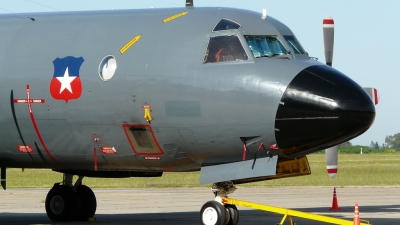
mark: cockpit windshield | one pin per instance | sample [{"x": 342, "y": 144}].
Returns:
[
  {"x": 226, "y": 24},
  {"x": 294, "y": 44},
  {"x": 225, "y": 48},
  {"x": 265, "y": 46}
]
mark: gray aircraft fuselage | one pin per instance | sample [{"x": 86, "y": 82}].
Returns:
[{"x": 200, "y": 110}]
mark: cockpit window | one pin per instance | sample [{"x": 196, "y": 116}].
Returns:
[
  {"x": 226, "y": 24},
  {"x": 225, "y": 48},
  {"x": 265, "y": 46},
  {"x": 294, "y": 44}
]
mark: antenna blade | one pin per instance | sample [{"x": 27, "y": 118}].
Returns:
[{"x": 189, "y": 4}]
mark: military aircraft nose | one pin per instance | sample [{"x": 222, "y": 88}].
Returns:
[{"x": 320, "y": 108}]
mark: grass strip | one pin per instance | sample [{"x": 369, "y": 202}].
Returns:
[{"x": 354, "y": 170}]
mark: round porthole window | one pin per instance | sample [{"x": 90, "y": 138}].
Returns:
[{"x": 107, "y": 67}]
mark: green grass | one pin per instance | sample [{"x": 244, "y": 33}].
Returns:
[{"x": 354, "y": 170}]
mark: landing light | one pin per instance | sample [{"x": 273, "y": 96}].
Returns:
[{"x": 107, "y": 67}]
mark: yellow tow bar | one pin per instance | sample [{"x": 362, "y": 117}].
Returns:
[{"x": 288, "y": 212}]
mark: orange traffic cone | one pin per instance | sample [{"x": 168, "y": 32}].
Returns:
[
  {"x": 356, "y": 215},
  {"x": 335, "y": 205}
]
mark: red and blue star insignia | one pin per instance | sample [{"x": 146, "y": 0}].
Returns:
[{"x": 66, "y": 83}]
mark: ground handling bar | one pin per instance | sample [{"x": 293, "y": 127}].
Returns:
[{"x": 288, "y": 212}]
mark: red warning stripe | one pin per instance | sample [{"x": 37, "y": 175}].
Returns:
[
  {"x": 41, "y": 139},
  {"x": 95, "y": 159},
  {"x": 244, "y": 149},
  {"x": 332, "y": 170},
  {"x": 376, "y": 97},
  {"x": 328, "y": 21},
  {"x": 36, "y": 127}
]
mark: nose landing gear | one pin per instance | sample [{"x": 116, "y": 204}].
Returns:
[
  {"x": 213, "y": 213},
  {"x": 217, "y": 213}
]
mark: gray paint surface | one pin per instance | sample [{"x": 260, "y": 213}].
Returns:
[
  {"x": 218, "y": 102},
  {"x": 183, "y": 108}
]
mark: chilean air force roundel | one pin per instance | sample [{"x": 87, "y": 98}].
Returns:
[{"x": 66, "y": 83}]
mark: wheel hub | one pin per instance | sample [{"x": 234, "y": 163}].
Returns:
[
  {"x": 56, "y": 204},
  {"x": 210, "y": 216}
]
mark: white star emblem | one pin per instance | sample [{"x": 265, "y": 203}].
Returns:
[{"x": 66, "y": 81}]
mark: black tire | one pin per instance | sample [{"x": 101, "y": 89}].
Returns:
[
  {"x": 213, "y": 213},
  {"x": 61, "y": 203},
  {"x": 233, "y": 214},
  {"x": 87, "y": 203}
]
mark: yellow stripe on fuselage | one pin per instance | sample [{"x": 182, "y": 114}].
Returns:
[
  {"x": 174, "y": 17},
  {"x": 130, "y": 43}
]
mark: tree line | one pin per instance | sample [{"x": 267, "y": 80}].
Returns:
[
  {"x": 391, "y": 145},
  {"x": 391, "y": 142}
]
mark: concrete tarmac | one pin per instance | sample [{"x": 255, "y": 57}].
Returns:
[{"x": 181, "y": 206}]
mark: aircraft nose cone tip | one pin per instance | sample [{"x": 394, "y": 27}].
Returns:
[{"x": 320, "y": 108}]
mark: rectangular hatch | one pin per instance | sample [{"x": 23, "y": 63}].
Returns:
[{"x": 142, "y": 139}]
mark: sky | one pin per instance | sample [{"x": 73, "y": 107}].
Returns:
[{"x": 363, "y": 33}]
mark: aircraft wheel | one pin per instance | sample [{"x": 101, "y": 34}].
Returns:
[
  {"x": 213, "y": 213},
  {"x": 61, "y": 203},
  {"x": 88, "y": 203},
  {"x": 233, "y": 214}
]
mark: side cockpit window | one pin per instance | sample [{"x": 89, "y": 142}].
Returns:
[
  {"x": 265, "y": 46},
  {"x": 294, "y": 44},
  {"x": 225, "y": 48},
  {"x": 226, "y": 24}
]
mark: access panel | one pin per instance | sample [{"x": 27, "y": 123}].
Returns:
[{"x": 142, "y": 139}]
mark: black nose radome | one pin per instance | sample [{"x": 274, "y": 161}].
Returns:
[{"x": 320, "y": 108}]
